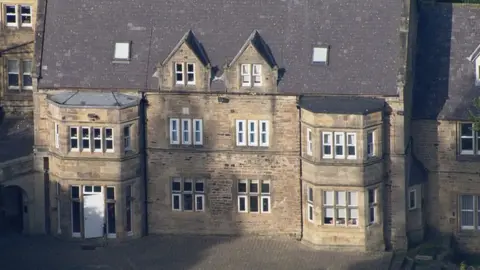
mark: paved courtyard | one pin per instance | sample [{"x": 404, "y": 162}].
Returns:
[{"x": 186, "y": 252}]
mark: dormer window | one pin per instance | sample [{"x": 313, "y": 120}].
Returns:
[
  {"x": 251, "y": 75},
  {"x": 122, "y": 51},
  {"x": 18, "y": 15},
  {"x": 184, "y": 73},
  {"x": 320, "y": 55},
  {"x": 477, "y": 72}
]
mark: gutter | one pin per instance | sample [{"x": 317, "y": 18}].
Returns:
[
  {"x": 142, "y": 112},
  {"x": 300, "y": 166}
]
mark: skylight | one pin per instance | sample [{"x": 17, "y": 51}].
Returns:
[
  {"x": 122, "y": 51},
  {"x": 320, "y": 55}
]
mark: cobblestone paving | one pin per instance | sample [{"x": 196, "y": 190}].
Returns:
[{"x": 185, "y": 252}]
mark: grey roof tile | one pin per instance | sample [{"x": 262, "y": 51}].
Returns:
[
  {"x": 445, "y": 79},
  {"x": 341, "y": 104},
  {"x": 363, "y": 37},
  {"x": 16, "y": 138},
  {"x": 93, "y": 99}
]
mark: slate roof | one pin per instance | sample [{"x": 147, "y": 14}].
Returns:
[
  {"x": 16, "y": 138},
  {"x": 363, "y": 37},
  {"x": 93, "y": 99},
  {"x": 341, "y": 104},
  {"x": 445, "y": 79}
]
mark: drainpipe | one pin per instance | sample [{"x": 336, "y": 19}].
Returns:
[
  {"x": 300, "y": 164},
  {"x": 143, "y": 159}
]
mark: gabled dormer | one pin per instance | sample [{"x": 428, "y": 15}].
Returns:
[
  {"x": 187, "y": 67},
  {"x": 475, "y": 59},
  {"x": 253, "y": 68}
]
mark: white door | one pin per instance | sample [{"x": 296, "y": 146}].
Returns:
[{"x": 93, "y": 212}]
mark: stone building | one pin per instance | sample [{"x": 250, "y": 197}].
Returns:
[
  {"x": 446, "y": 84},
  {"x": 292, "y": 118},
  {"x": 16, "y": 53}
]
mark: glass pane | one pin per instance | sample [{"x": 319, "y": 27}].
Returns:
[
  {"x": 350, "y": 139},
  {"x": 190, "y": 67},
  {"x": 98, "y": 144},
  {"x": 76, "y": 217},
  {"x": 74, "y": 143},
  {"x": 128, "y": 209},
  {"x": 126, "y": 131},
  {"x": 371, "y": 214},
  {"x": 188, "y": 185},
  {"x": 371, "y": 196},
  {"x": 467, "y": 202},
  {"x": 241, "y": 202},
  {"x": 310, "y": 194},
  {"x": 353, "y": 217},
  {"x": 27, "y": 80},
  {"x": 310, "y": 212},
  {"x": 109, "y": 144},
  {"x": 467, "y": 130},
  {"x": 97, "y": 189},
  {"x": 110, "y": 193},
  {"x": 245, "y": 69},
  {"x": 75, "y": 192},
  {"x": 341, "y": 200},
  {"x": 327, "y": 150},
  {"x": 339, "y": 150},
  {"x": 199, "y": 203},
  {"x": 179, "y": 67},
  {"x": 188, "y": 202},
  {"x": 26, "y": 10},
  {"x": 13, "y": 79},
  {"x": 328, "y": 197},
  {"x": 13, "y": 66},
  {"x": 265, "y": 206},
  {"x": 254, "y": 187},
  {"x": 352, "y": 198},
  {"x": 108, "y": 133},
  {"x": 467, "y": 144},
  {"x": 88, "y": 188},
  {"x": 176, "y": 202},
  {"x": 242, "y": 187},
  {"x": 176, "y": 186},
  {"x": 10, "y": 9},
  {"x": 370, "y": 137},
  {"x": 326, "y": 138},
  {"x": 199, "y": 186},
  {"x": 467, "y": 218},
  {"x": 253, "y": 203},
  {"x": 111, "y": 217},
  {"x": 351, "y": 150},
  {"x": 341, "y": 216},
  {"x": 27, "y": 67},
  {"x": 174, "y": 136},
  {"x": 174, "y": 125},
  {"x": 328, "y": 215},
  {"x": 265, "y": 187}
]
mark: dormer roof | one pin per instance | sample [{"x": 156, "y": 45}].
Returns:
[
  {"x": 259, "y": 44},
  {"x": 193, "y": 43}
]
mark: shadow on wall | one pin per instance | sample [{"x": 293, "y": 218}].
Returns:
[{"x": 430, "y": 94}]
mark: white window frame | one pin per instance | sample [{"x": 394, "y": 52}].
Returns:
[
  {"x": 412, "y": 192},
  {"x": 109, "y": 201},
  {"x": 243, "y": 195},
  {"x": 327, "y": 144},
  {"x": 309, "y": 142},
  {"x": 472, "y": 137},
  {"x": 16, "y": 23},
  {"x": 109, "y": 139},
  {"x": 197, "y": 131},
  {"x": 20, "y": 18},
  {"x": 199, "y": 194},
  {"x": 241, "y": 134},
  {"x": 372, "y": 205},
  {"x": 129, "y": 203},
  {"x": 127, "y": 140},
  {"x": 97, "y": 139},
  {"x": 26, "y": 73},
  {"x": 172, "y": 131},
  {"x": 265, "y": 196},
  {"x": 252, "y": 132},
  {"x": 57, "y": 135},
  {"x": 353, "y": 144},
  {"x": 257, "y": 75},
  {"x": 58, "y": 189},
  {"x": 190, "y": 73},
  {"x": 177, "y": 194},
  {"x": 89, "y": 139},
  {"x": 339, "y": 143},
  {"x": 18, "y": 73},
  {"x": 187, "y": 140},
  {"x": 74, "y": 149},
  {"x": 80, "y": 194},
  {"x": 310, "y": 203},
  {"x": 347, "y": 206},
  {"x": 320, "y": 55},
  {"x": 122, "y": 51},
  {"x": 245, "y": 75},
  {"x": 462, "y": 210},
  {"x": 371, "y": 144},
  {"x": 265, "y": 132},
  {"x": 177, "y": 71}
]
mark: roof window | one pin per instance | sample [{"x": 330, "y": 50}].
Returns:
[
  {"x": 320, "y": 55},
  {"x": 122, "y": 51}
]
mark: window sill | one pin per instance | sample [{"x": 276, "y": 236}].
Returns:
[{"x": 468, "y": 158}]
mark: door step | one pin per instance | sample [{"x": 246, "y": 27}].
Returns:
[{"x": 93, "y": 244}]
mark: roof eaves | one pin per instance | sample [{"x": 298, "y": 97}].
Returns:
[{"x": 472, "y": 57}]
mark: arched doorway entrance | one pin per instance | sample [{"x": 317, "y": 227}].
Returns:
[{"x": 13, "y": 209}]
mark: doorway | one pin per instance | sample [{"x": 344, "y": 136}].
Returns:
[
  {"x": 13, "y": 209},
  {"x": 93, "y": 211}
]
